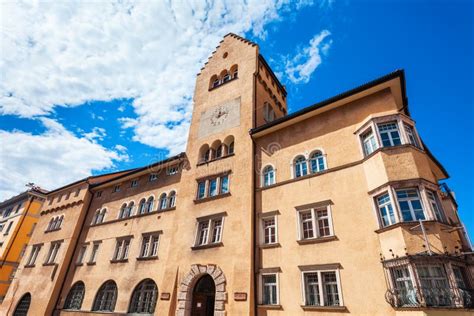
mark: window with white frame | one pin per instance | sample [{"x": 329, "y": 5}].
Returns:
[
  {"x": 163, "y": 201},
  {"x": 209, "y": 231},
  {"x": 99, "y": 216},
  {"x": 315, "y": 223},
  {"x": 33, "y": 255},
  {"x": 81, "y": 254},
  {"x": 126, "y": 210},
  {"x": 269, "y": 289},
  {"x": 431, "y": 277},
  {"x": 389, "y": 134},
  {"x": 435, "y": 205},
  {"x": 53, "y": 252},
  {"x": 403, "y": 286},
  {"x": 300, "y": 166},
  {"x": 94, "y": 252},
  {"x": 386, "y": 212},
  {"x": 122, "y": 247},
  {"x": 212, "y": 187},
  {"x": 317, "y": 162},
  {"x": 322, "y": 288},
  {"x": 172, "y": 199},
  {"x": 269, "y": 228},
  {"x": 369, "y": 142},
  {"x": 149, "y": 248},
  {"x": 410, "y": 205},
  {"x": 268, "y": 176},
  {"x": 411, "y": 135}
]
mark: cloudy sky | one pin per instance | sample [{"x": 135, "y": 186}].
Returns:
[{"x": 98, "y": 86}]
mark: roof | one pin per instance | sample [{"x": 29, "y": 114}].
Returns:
[{"x": 37, "y": 191}]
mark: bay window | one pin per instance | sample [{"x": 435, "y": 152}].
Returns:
[
  {"x": 389, "y": 134},
  {"x": 410, "y": 205}
]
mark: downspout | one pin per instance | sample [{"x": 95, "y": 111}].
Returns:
[
  {"x": 254, "y": 203},
  {"x": 71, "y": 258}
]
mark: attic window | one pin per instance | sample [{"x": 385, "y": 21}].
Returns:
[{"x": 225, "y": 55}]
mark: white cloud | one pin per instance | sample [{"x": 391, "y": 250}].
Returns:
[
  {"x": 51, "y": 159},
  {"x": 299, "y": 68},
  {"x": 97, "y": 133}
]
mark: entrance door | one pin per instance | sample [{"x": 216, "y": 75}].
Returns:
[{"x": 203, "y": 297}]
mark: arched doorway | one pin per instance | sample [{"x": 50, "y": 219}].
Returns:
[
  {"x": 204, "y": 295},
  {"x": 23, "y": 306}
]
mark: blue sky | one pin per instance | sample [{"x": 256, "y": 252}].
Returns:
[{"x": 91, "y": 92}]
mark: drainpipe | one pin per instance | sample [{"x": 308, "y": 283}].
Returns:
[
  {"x": 71, "y": 258},
  {"x": 254, "y": 202}
]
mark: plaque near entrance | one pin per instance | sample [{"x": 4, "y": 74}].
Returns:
[
  {"x": 240, "y": 296},
  {"x": 165, "y": 296}
]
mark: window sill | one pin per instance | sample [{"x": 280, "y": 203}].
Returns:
[
  {"x": 270, "y": 306},
  {"x": 147, "y": 258},
  {"x": 51, "y": 264},
  {"x": 91, "y": 263},
  {"x": 218, "y": 244},
  {"x": 409, "y": 224},
  {"x": 212, "y": 198},
  {"x": 316, "y": 240},
  {"x": 214, "y": 159},
  {"x": 118, "y": 260},
  {"x": 267, "y": 246},
  {"x": 52, "y": 230},
  {"x": 29, "y": 266},
  {"x": 323, "y": 308},
  {"x": 224, "y": 83}
]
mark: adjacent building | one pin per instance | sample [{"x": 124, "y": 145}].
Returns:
[
  {"x": 332, "y": 210},
  {"x": 18, "y": 217}
]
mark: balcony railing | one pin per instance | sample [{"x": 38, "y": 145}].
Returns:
[{"x": 430, "y": 297}]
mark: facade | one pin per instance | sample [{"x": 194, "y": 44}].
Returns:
[
  {"x": 18, "y": 217},
  {"x": 336, "y": 209}
]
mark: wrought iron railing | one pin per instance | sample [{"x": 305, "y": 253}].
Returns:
[{"x": 430, "y": 297}]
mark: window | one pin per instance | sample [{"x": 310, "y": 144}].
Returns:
[
  {"x": 55, "y": 223},
  {"x": 224, "y": 185},
  {"x": 226, "y": 77},
  {"x": 215, "y": 82},
  {"x": 317, "y": 162},
  {"x": 163, "y": 201},
  {"x": 53, "y": 252},
  {"x": 405, "y": 293},
  {"x": 134, "y": 183},
  {"x": 212, "y": 187},
  {"x": 153, "y": 177},
  {"x": 121, "y": 249},
  {"x": 172, "y": 199},
  {"x": 434, "y": 284},
  {"x": 7, "y": 212},
  {"x": 301, "y": 168},
  {"x": 149, "y": 247},
  {"x": 270, "y": 289},
  {"x": 75, "y": 296},
  {"x": 8, "y": 228},
  {"x": 209, "y": 231},
  {"x": 389, "y": 134},
  {"x": 23, "y": 305},
  {"x": 410, "y": 132},
  {"x": 33, "y": 255},
  {"x": 99, "y": 216},
  {"x": 315, "y": 223},
  {"x": 144, "y": 298},
  {"x": 387, "y": 214},
  {"x": 269, "y": 230},
  {"x": 150, "y": 204},
  {"x": 231, "y": 148},
  {"x": 1, "y": 227},
  {"x": 106, "y": 297},
  {"x": 93, "y": 257},
  {"x": 268, "y": 112},
  {"x": 142, "y": 206},
  {"x": 201, "y": 190},
  {"x": 173, "y": 170},
  {"x": 321, "y": 288},
  {"x": 98, "y": 194},
  {"x": 82, "y": 254},
  {"x": 369, "y": 142},
  {"x": 268, "y": 176},
  {"x": 462, "y": 284},
  {"x": 435, "y": 206},
  {"x": 410, "y": 205},
  {"x": 116, "y": 188},
  {"x": 126, "y": 211},
  {"x": 19, "y": 206},
  {"x": 220, "y": 151},
  {"x": 234, "y": 70}
]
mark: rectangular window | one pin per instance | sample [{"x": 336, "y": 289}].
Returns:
[
  {"x": 81, "y": 255},
  {"x": 269, "y": 289},
  {"x": 201, "y": 190},
  {"x": 269, "y": 230},
  {"x": 153, "y": 177},
  {"x": 1, "y": 227},
  {"x": 212, "y": 187},
  {"x": 404, "y": 289},
  {"x": 93, "y": 257},
  {"x": 435, "y": 206},
  {"x": 410, "y": 205},
  {"x": 321, "y": 288},
  {"x": 33, "y": 255},
  {"x": 53, "y": 252},
  {"x": 209, "y": 231},
  {"x": 434, "y": 285},
  {"x": 389, "y": 134},
  {"x": 116, "y": 188},
  {"x": 134, "y": 183},
  {"x": 121, "y": 249},
  {"x": 410, "y": 132},
  {"x": 315, "y": 223},
  {"x": 387, "y": 215},
  {"x": 173, "y": 170},
  {"x": 369, "y": 142},
  {"x": 98, "y": 194},
  {"x": 149, "y": 247},
  {"x": 224, "y": 185},
  {"x": 8, "y": 228}
]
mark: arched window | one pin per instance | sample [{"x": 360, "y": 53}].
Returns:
[
  {"x": 142, "y": 206},
  {"x": 208, "y": 155},
  {"x": 51, "y": 224},
  {"x": 59, "y": 222},
  {"x": 163, "y": 201},
  {"x": 214, "y": 82},
  {"x": 268, "y": 176},
  {"x": 234, "y": 71},
  {"x": 151, "y": 201},
  {"x": 317, "y": 162},
  {"x": 231, "y": 148},
  {"x": 220, "y": 151},
  {"x": 172, "y": 199},
  {"x": 106, "y": 297},
  {"x": 229, "y": 143},
  {"x": 301, "y": 168},
  {"x": 130, "y": 207},
  {"x": 204, "y": 153},
  {"x": 75, "y": 296},
  {"x": 123, "y": 210},
  {"x": 144, "y": 298},
  {"x": 101, "y": 216},
  {"x": 225, "y": 76},
  {"x": 23, "y": 305}
]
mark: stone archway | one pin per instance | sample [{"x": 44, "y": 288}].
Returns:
[{"x": 185, "y": 291}]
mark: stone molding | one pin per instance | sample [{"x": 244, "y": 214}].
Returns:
[{"x": 185, "y": 289}]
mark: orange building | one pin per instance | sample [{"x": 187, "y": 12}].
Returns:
[{"x": 18, "y": 217}]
